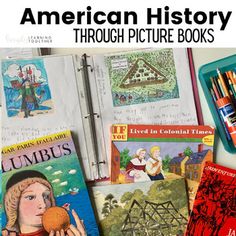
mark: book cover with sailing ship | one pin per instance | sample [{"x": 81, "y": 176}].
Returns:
[
  {"x": 154, "y": 152},
  {"x": 40, "y": 175}
]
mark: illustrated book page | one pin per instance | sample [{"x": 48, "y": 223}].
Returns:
[
  {"x": 141, "y": 153},
  {"x": 42, "y": 179},
  {"x": 156, "y": 208}
]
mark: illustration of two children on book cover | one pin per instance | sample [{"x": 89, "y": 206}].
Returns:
[
  {"x": 142, "y": 170},
  {"x": 148, "y": 164}
]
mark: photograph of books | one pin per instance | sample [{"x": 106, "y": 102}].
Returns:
[
  {"x": 142, "y": 153},
  {"x": 42, "y": 178},
  {"x": 151, "y": 208},
  {"x": 87, "y": 95},
  {"x": 214, "y": 210}
]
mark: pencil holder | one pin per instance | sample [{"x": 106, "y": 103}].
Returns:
[{"x": 219, "y": 91}]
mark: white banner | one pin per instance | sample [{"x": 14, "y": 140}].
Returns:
[{"x": 87, "y": 23}]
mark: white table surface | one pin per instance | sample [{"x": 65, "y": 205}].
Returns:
[{"x": 201, "y": 56}]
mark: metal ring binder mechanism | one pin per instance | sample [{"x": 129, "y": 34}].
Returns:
[{"x": 97, "y": 165}]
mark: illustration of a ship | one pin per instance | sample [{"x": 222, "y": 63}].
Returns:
[{"x": 23, "y": 76}]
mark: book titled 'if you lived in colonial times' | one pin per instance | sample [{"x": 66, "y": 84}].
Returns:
[{"x": 141, "y": 153}]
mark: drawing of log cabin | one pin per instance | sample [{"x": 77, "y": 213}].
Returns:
[
  {"x": 142, "y": 73},
  {"x": 152, "y": 219},
  {"x": 191, "y": 167}
]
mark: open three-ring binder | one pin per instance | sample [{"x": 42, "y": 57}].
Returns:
[{"x": 87, "y": 94}]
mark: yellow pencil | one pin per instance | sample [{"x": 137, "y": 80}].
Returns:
[
  {"x": 222, "y": 82},
  {"x": 221, "y": 88},
  {"x": 232, "y": 82},
  {"x": 233, "y": 79}
]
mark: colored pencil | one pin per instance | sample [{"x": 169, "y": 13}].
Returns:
[
  {"x": 221, "y": 88},
  {"x": 217, "y": 86},
  {"x": 233, "y": 82},
  {"x": 222, "y": 83},
  {"x": 232, "y": 89},
  {"x": 216, "y": 92},
  {"x": 219, "y": 115}
]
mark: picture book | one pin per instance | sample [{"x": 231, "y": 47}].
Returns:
[
  {"x": 151, "y": 208},
  {"x": 43, "y": 95},
  {"x": 214, "y": 209},
  {"x": 155, "y": 152},
  {"x": 43, "y": 188}
]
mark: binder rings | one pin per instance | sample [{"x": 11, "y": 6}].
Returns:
[{"x": 88, "y": 94}]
